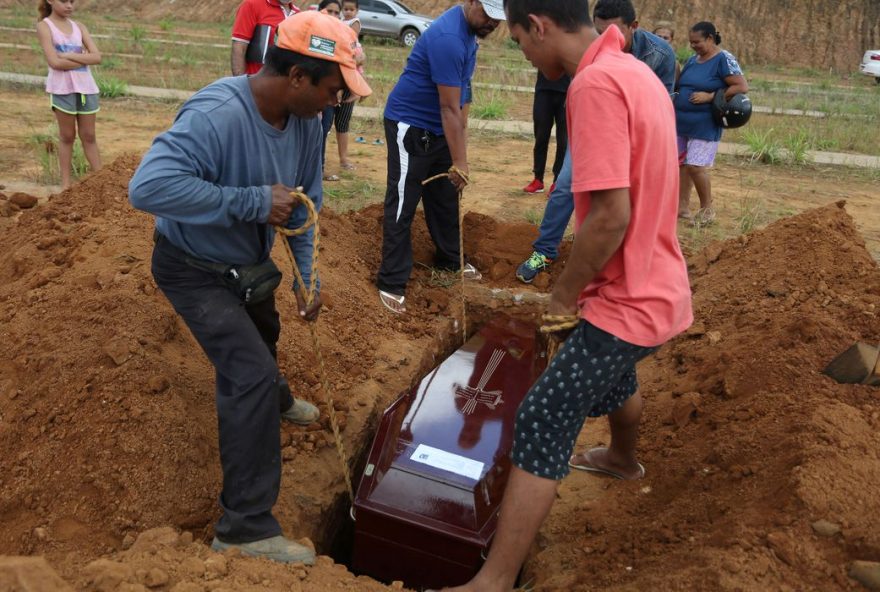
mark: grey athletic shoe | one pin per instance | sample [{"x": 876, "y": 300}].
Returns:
[
  {"x": 301, "y": 413},
  {"x": 276, "y": 548}
]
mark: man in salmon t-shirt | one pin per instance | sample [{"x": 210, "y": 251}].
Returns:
[
  {"x": 625, "y": 278},
  {"x": 254, "y": 32}
]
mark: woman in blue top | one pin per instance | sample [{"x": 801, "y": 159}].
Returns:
[{"x": 709, "y": 71}]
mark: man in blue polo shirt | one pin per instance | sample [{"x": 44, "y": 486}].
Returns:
[{"x": 425, "y": 125}]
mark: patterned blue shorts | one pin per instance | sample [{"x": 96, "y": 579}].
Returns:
[{"x": 593, "y": 374}]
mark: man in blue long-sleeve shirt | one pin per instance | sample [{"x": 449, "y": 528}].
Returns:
[{"x": 217, "y": 182}]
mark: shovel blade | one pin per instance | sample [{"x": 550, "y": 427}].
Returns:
[{"x": 855, "y": 365}]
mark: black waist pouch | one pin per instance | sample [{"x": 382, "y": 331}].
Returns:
[{"x": 252, "y": 283}]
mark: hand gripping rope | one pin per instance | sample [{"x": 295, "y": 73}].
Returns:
[
  {"x": 556, "y": 324},
  {"x": 308, "y": 296},
  {"x": 455, "y": 170}
]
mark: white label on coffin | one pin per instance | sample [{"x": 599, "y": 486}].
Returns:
[{"x": 440, "y": 459}]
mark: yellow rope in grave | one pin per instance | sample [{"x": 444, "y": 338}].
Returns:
[
  {"x": 308, "y": 296},
  {"x": 455, "y": 170}
]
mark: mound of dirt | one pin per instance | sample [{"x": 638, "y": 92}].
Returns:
[
  {"x": 107, "y": 421},
  {"x": 747, "y": 445},
  {"x": 107, "y": 405}
]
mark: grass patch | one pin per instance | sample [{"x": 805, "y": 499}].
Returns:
[
  {"x": 683, "y": 54},
  {"x": 111, "y": 88},
  {"x": 441, "y": 278},
  {"x": 534, "y": 216},
  {"x": 137, "y": 34},
  {"x": 495, "y": 108},
  {"x": 797, "y": 145},
  {"x": 45, "y": 146},
  {"x": 762, "y": 147},
  {"x": 695, "y": 237},
  {"x": 752, "y": 213},
  {"x": 110, "y": 62},
  {"x": 351, "y": 194}
]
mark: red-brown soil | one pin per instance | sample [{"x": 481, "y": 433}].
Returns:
[{"x": 107, "y": 422}]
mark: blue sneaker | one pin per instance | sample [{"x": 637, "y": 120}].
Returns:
[{"x": 531, "y": 267}]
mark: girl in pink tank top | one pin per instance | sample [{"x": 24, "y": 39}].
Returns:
[{"x": 69, "y": 51}]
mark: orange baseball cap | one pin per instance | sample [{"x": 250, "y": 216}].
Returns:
[{"x": 324, "y": 37}]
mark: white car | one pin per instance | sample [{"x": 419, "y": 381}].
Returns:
[{"x": 871, "y": 64}]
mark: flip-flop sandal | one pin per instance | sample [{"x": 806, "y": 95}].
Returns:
[
  {"x": 331, "y": 177},
  {"x": 704, "y": 217},
  {"x": 393, "y": 302},
  {"x": 360, "y": 140},
  {"x": 348, "y": 166},
  {"x": 378, "y": 142},
  {"x": 600, "y": 471}
]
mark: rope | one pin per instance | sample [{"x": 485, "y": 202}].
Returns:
[
  {"x": 556, "y": 324},
  {"x": 308, "y": 296},
  {"x": 464, "y": 176}
]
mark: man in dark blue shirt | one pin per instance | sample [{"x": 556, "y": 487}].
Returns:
[
  {"x": 425, "y": 125},
  {"x": 645, "y": 46}
]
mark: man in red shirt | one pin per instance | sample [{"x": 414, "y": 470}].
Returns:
[
  {"x": 626, "y": 278},
  {"x": 254, "y": 32}
]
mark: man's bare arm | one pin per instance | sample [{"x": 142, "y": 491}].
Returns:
[{"x": 237, "y": 61}]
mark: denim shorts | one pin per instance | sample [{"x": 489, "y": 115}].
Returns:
[
  {"x": 593, "y": 374},
  {"x": 75, "y": 103},
  {"x": 696, "y": 152}
]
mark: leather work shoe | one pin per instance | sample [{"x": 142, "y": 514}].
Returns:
[
  {"x": 276, "y": 548},
  {"x": 301, "y": 413}
]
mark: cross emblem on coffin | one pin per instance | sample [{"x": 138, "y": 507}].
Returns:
[{"x": 477, "y": 394}]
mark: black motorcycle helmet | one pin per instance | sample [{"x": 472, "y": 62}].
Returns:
[{"x": 733, "y": 113}]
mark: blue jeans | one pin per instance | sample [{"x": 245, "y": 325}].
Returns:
[{"x": 557, "y": 213}]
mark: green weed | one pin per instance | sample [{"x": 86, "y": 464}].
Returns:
[
  {"x": 797, "y": 145},
  {"x": 534, "y": 216},
  {"x": 111, "y": 88},
  {"x": 137, "y": 33},
  {"x": 683, "y": 54},
  {"x": 110, "y": 62},
  {"x": 495, "y": 108},
  {"x": 166, "y": 24},
  {"x": 752, "y": 213},
  {"x": 149, "y": 48},
  {"x": 187, "y": 59},
  {"x": 45, "y": 146},
  {"x": 762, "y": 147}
]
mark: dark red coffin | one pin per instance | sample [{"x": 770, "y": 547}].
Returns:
[{"x": 427, "y": 505}]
